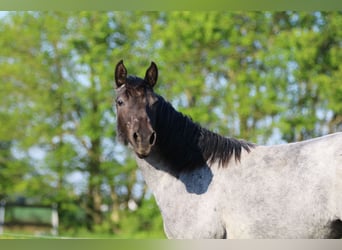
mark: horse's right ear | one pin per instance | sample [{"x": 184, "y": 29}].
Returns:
[
  {"x": 151, "y": 75},
  {"x": 120, "y": 74}
]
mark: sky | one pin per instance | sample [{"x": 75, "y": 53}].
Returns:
[{"x": 3, "y": 13}]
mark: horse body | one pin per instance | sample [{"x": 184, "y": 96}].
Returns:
[
  {"x": 283, "y": 191},
  {"x": 287, "y": 191},
  {"x": 210, "y": 186}
]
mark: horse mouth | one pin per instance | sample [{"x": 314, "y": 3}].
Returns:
[{"x": 141, "y": 156}]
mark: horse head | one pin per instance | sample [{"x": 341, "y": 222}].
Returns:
[{"x": 134, "y": 105}]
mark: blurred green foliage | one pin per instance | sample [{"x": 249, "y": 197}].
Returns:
[{"x": 267, "y": 77}]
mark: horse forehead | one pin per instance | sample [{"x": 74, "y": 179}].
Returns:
[
  {"x": 129, "y": 91},
  {"x": 135, "y": 82}
]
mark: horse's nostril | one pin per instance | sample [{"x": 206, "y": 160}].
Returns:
[
  {"x": 135, "y": 136},
  {"x": 153, "y": 138}
]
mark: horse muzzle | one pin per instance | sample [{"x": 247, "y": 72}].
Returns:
[{"x": 143, "y": 144}]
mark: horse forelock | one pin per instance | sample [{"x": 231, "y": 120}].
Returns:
[{"x": 187, "y": 145}]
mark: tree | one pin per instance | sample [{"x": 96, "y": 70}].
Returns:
[
  {"x": 220, "y": 67},
  {"x": 69, "y": 105},
  {"x": 313, "y": 86}
]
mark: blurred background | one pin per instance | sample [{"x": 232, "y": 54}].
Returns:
[{"x": 267, "y": 77}]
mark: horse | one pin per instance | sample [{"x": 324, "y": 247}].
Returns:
[{"x": 210, "y": 186}]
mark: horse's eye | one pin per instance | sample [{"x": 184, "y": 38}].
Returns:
[{"x": 119, "y": 102}]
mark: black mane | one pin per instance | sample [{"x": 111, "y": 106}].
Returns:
[{"x": 186, "y": 145}]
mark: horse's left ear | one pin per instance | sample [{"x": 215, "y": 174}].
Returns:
[{"x": 152, "y": 74}]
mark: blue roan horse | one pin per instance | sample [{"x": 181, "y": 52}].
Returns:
[{"x": 210, "y": 186}]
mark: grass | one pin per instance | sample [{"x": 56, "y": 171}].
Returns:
[{"x": 31, "y": 233}]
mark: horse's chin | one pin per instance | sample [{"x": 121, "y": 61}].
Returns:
[
  {"x": 142, "y": 153},
  {"x": 141, "y": 156}
]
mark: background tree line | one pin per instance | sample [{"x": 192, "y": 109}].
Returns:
[{"x": 268, "y": 77}]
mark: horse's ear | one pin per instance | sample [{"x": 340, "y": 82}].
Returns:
[
  {"x": 152, "y": 74},
  {"x": 120, "y": 74}
]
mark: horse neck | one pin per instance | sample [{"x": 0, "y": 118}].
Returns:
[
  {"x": 178, "y": 138},
  {"x": 184, "y": 145},
  {"x": 161, "y": 177}
]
